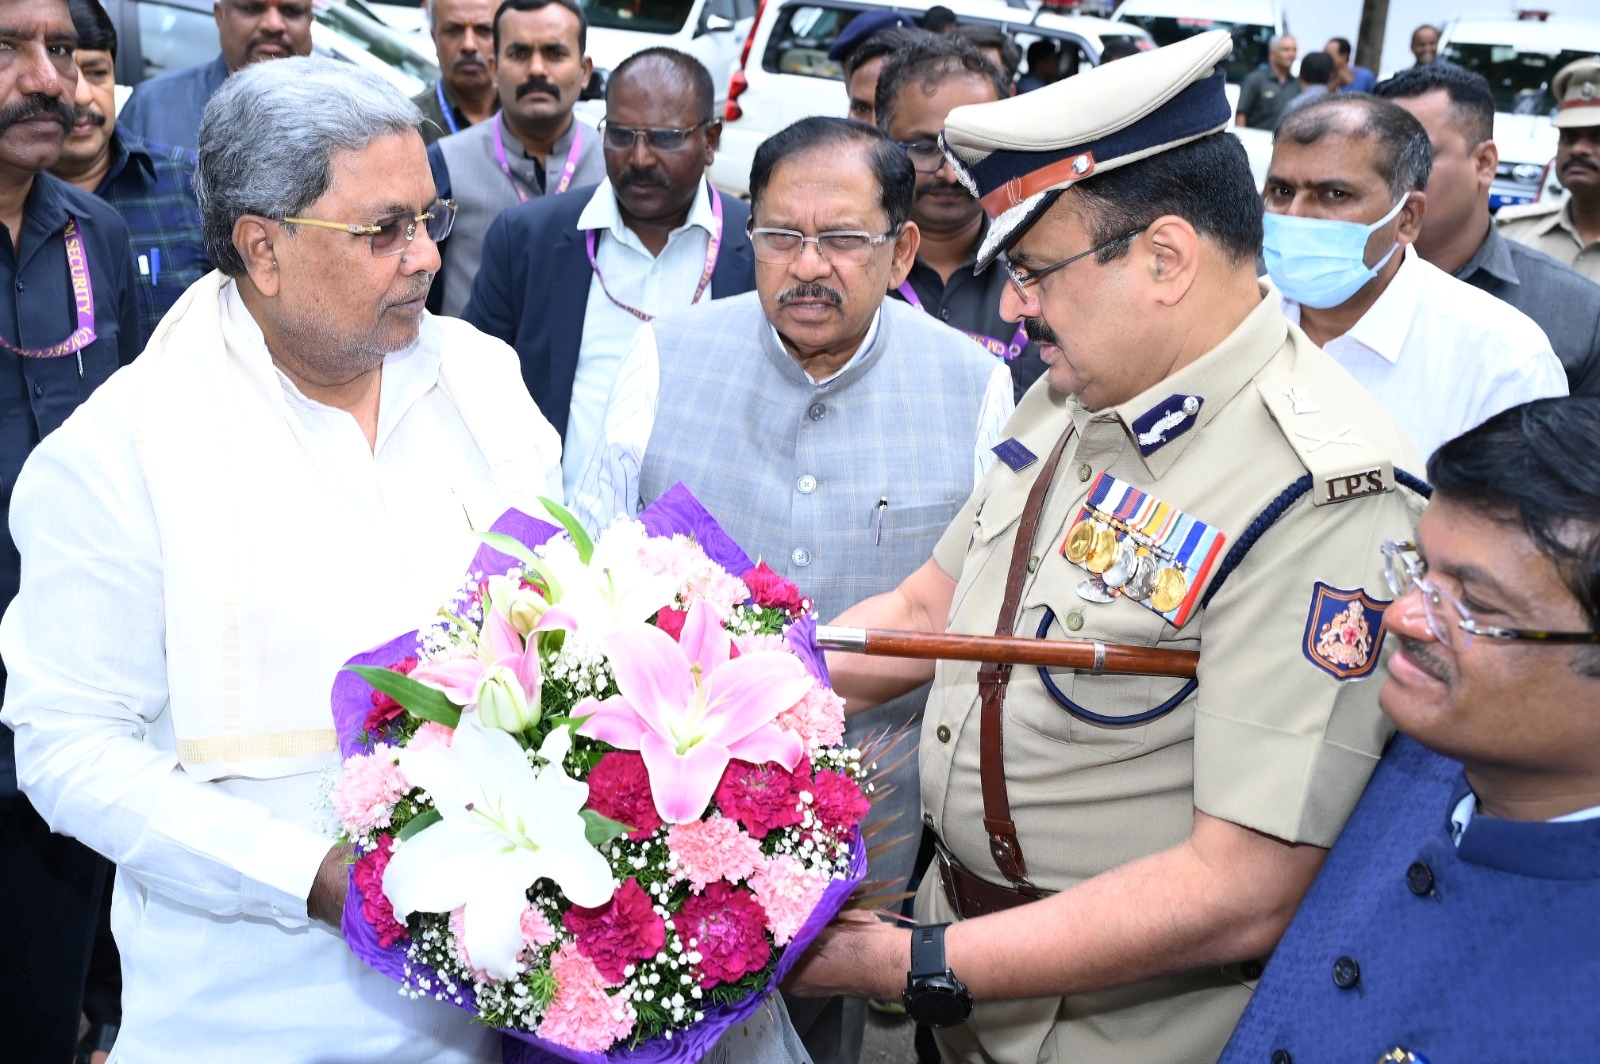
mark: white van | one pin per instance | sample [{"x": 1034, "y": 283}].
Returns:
[
  {"x": 785, "y": 73},
  {"x": 1520, "y": 57}
]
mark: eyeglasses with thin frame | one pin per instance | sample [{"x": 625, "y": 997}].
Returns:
[
  {"x": 623, "y": 138},
  {"x": 780, "y": 247},
  {"x": 1447, "y": 615},
  {"x": 1022, "y": 279},
  {"x": 926, "y": 155},
  {"x": 393, "y": 234}
]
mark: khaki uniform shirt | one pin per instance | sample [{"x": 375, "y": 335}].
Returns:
[
  {"x": 1271, "y": 739},
  {"x": 1548, "y": 227}
]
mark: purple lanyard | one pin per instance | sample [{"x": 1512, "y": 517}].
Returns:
[
  {"x": 1019, "y": 339},
  {"x": 82, "y": 295},
  {"x": 449, "y": 119},
  {"x": 591, "y": 239},
  {"x": 566, "y": 171}
]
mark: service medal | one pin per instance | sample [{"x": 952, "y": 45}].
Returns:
[
  {"x": 1143, "y": 578},
  {"x": 1168, "y": 588},
  {"x": 1103, "y": 551},
  {"x": 1079, "y": 540},
  {"x": 1121, "y": 570},
  {"x": 1094, "y": 590}
]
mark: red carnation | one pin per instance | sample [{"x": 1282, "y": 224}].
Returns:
[
  {"x": 619, "y": 788},
  {"x": 671, "y": 621},
  {"x": 728, "y": 928},
  {"x": 623, "y": 931},
  {"x": 384, "y": 708},
  {"x": 837, "y": 801},
  {"x": 374, "y": 903},
  {"x": 767, "y": 588},
  {"x": 762, "y": 797}
]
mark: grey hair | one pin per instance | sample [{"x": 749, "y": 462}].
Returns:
[
  {"x": 1279, "y": 38},
  {"x": 269, "y": 136}
]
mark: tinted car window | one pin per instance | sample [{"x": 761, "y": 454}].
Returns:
[
  {"x": 1250, "y": 40},
  {"x": 642, "y": 16},
  {"x": 1520, "y": 81},
  {"x": 800, "y": 40},
  {"x": 172, "y": 38}
]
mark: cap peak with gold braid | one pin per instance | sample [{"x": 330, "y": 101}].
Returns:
[
  {"x": 1577, "y": 91},
  {"x": 1015, "y": 155}
]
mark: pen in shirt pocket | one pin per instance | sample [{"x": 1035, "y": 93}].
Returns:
[
  {"x": 155, "y": 267},
  {"x": 883, "y": 504}
]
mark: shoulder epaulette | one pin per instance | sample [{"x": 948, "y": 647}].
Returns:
[
  {"x": 1328, "y": 436},
  {"x": 1527, "y": 210}
]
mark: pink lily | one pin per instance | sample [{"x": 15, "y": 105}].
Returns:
[
  {"x": 689, "y": 709},
  {"x": 503, "y": 680}
]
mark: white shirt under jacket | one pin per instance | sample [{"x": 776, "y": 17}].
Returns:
[
  {"x": 609, "y": 485},
  {"x": 220, "y": 960}
]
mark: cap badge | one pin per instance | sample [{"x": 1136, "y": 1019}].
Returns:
[{"x": 1587, "y": 91}]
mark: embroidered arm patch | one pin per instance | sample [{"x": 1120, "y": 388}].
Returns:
[{"x": 1344, "y": 631}]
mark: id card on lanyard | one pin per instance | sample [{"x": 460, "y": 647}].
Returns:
[
  {"x": 567, "y": 171},
  {"x": 82, "y": 297},
  {"x": 591, "y": 239},
  {"x": 997, "y": 348}
]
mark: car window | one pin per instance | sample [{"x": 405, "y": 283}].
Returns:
[
  {"x": 1075, "y": 55},
  {"x": 745, "y": 8},
  {"x": 642, "y": 16},
  {"x": 172, "y": 38},
  {"x": 1250, "y": 40},
  {"x": 800, "y": 40},
  {"x": 376, "y": 41},
  {"x": 1519, "y": 80}
]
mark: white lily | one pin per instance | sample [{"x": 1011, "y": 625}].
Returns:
[
  {"x": 503, "y": 826},
  {"x": 613, "y": 590}
]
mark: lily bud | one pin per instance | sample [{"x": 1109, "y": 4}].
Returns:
[
  {"x": 517, "y": 604},
  {"x": 502, "y": 702}
]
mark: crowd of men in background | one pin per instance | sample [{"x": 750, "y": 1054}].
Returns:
[{"x": 630, "y": 289}]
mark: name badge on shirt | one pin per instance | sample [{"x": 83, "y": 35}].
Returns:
[{"x": 1014, "y": 454}]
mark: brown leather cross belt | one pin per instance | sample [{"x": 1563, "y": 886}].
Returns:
[{"x": 971, "y": 896}]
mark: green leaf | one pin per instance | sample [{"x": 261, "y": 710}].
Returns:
[
  {"x": 580, "y": 538},
  {"x": 420, "y": 700},
  {"x": 600, "y": 830},
  {"x": 510, "y": 545},
  {"x": 425, "y": 819}
]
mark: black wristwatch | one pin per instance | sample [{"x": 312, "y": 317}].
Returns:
[{"x": 933, "y": 996}]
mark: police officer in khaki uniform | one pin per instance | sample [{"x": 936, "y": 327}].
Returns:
[
  {"x": 1120, "y": 852},
  {"x": 1568, "y": 229}
]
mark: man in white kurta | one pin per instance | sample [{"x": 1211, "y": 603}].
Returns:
[{"x": 293, "y": 472}]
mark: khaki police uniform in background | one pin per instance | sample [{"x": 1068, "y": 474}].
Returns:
[{"x": 1269, "y": 740}]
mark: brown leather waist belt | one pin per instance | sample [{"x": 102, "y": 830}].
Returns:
[{"x": 971, "y": 896}]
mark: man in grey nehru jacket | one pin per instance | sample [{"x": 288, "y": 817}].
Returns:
[{"x": 832, "y": 433}]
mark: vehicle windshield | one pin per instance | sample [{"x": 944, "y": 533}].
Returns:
[
  {"x": 641, "y": 16},
  {"x": 377, "y": 42},
  {"x": 1250, "y": 40},
  {"x": 1519, "y": 80}
]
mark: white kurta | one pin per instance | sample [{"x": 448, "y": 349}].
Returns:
[{"x": 219, "y": 957}]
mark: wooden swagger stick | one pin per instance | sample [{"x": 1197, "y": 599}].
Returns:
[{"x": 1088, "y": 656}]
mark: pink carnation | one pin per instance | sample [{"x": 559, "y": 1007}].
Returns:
[
  {"x": 671, "y": 621},
  {"x": 458, "y": 932},
  {"x": 431, "y": 734},
  {"x": 536, "y": 930},
  {"x": 758, "y": 642},
  {"x": 762, "y": 797},
  {"x": 727, "y": 927},
  {"x": 767, "y": 588},
  {"x": 696, "y": 576},
  {"x": 837, "y": 801},
  {"x": 708, "y": 850},
  {"x": 619, "y": 788},
  {"x": 384, "y": 708},
  {"x": 365, "y": 795},
  {"x": 375, "y": 904},
  {"x": 623, "y": 931},
  {"x": 582, "y": 1015},
  {"x": 789, "y": 892},
  {"x": 818, "y": 718}
]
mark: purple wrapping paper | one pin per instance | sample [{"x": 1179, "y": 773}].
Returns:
[{"x": 676, "y": 511}]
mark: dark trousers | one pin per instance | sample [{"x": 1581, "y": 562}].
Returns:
[{"x": 50, "y": 890}]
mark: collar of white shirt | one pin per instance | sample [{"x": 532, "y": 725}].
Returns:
[
  {"x": 1383, "y": 328},
  {"x": 1467, "y": 808},
  {"x": 602, "y": 213},
  {"x": 866, "y": 342}
]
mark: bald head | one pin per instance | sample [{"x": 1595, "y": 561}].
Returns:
[{"x": 670, "y": 73}]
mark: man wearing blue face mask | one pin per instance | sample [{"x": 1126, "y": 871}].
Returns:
[{"x": 1344, "y": 203}]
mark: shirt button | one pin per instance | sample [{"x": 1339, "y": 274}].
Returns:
[
  {"x": 817, "y": 411},
  {"x": 1033, "y": 564},
  {"x": 944, "y": 313},
  {"x": 38, "y": 389},
  {"x": 1190, "y": 405},
  {"x": 1281, "y": 1056},
  {"x": 1419, "y": 879},
  {"x": 1084, "y": 472},
  {"x": 1252, "y": 969},
  {"x": 807, "y": 484},
  {"x": 1074, "y": 621},
  {"x": 801, "y": 556},
  {"x": 20, "y": 286},
  {"x": 943, "y": 733},
  {"x": 1346, "y": 973},
  {"x": 927, "y": 818}
]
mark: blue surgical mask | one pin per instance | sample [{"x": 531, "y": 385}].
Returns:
[{"x": 1319, "y": 262}]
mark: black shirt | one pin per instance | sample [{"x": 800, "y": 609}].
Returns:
[{"x": 971, "y": 302}]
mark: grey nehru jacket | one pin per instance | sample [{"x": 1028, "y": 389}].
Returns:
[
  {"x": 1561, "y": 301},
  {"x": 465, "y": 169}
]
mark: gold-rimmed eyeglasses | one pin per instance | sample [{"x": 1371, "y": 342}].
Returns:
[
  {"x": 1448, "y": 617},
  {"x": 393, "y": 234}
]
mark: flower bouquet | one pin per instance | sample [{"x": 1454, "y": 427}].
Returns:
[{"x": 602, "y": 804}]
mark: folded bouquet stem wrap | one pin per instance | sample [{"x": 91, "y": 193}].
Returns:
[{"x": 559, "y": 659}]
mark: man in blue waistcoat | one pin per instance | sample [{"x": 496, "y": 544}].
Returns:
[{"x": 1455, "y": 918}]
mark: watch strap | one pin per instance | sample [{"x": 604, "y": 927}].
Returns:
[{"x": 927, "y": 950}]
